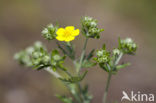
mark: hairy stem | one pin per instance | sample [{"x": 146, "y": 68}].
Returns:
[
  {"x": 82, "y": 54},
  {"x": 118, "y": 59},
  {"x": 55, "y": 74},
  {"x": 109, "y": 78},
  {"x": 79, "y": 68},
  {"x": 107, "y": 87}
]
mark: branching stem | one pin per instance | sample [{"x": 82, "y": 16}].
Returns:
[
  {"x": 55, "y": 74},
  {"x": 79, "y": 68},
  {"x": 82, "y": 54},
  {"x": 109, "y": 77},
  {"x": 107, "y": 87}
]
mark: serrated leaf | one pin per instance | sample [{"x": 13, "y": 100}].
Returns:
[{"x": 74, "y": 79}]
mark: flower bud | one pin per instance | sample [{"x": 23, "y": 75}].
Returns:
[
  {"x": 89, "y": 27},
  {"x": 128, "y": 46},
  {"x": 23, "y": 58},
  {"x": 49, "y": 32},
  {"x": 36, "y": 61},
  {"x": 99, "y": 53},
  {"x": 46, "y": 59},
  {"x": 29, "y": 50},
  {"x": 56, "y": 57},
  {"x": 38, "y": 45},
  {"x": 93, "y": 24},
  {"x": 103, "y": 56},
  {"x": 54, "y": 63},
  {"x": 40, "y": 57},
  {"x": 36, "y": 54},
  {"x": 116, "y": 52}
]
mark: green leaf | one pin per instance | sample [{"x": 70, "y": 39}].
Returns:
[
  {"x": 54, "y": 52},
  {"x": 53, "y": 68},
  {"x": 62, "y": 67},
  {"x": 64, "y": 99},
  {"x": 67, "y": 49},
  {"x": 104, "y": 46},
  {"x": 90, "y": 55},
  {"x": 119, "y": 41},
  {"x": 118, "y": 67},
  {"x": 62, "y": 49},
  {"x": 86, "y": 95},
  {"x": 88, "y": 64},
  {"x": 104, "y": 67},
  {"x": 74, "y": 79}
]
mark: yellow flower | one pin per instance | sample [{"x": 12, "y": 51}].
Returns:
[{"x": 67, "y": 34}]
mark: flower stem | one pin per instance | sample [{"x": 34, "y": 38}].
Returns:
[
  {"x": 107, "y": 87},
  {"x": 79, "y": 68},
  {"x": 82, "y": 54},
  {"x": 118, "y": 59},
  {"x": 55, "y": 74},
  {"x": 109, "y": 78}
]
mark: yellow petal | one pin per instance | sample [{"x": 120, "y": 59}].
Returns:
[
  {"x": 60, "y": 38},
  {"x": 60, "y": 31},
  {"x": 69, "y": 38},
  {"x": 76, "y": 32},
  {"x": 70, "y": 28}
]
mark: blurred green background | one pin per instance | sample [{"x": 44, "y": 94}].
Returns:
[{"x": 21, "y": 22}]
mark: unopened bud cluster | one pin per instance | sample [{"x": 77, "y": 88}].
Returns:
[
  {"x": 38, "y": 57},
  {"x": 128, "y": 46},
  {"x": 89, "y": 27},
  {"x": 24, "y": 56},
  {"x": 116, "y": 52},
  {"x": 57, "y": 60},
  {"x": 109, "y": 61},
  {"x": 49, "y": 32},
  {"x": 103, "y": 56}
]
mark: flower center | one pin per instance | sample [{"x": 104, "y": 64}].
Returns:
[{"x": 67, "y": 33}]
